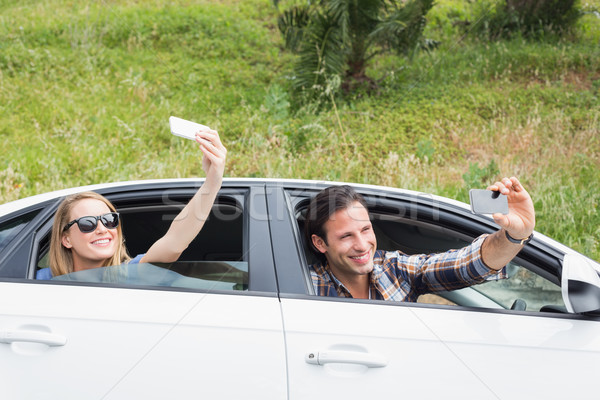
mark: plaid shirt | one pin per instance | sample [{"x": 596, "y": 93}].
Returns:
[{"x": 401, "y": 277}]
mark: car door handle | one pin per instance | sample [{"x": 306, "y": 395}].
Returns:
[
  {"x": 346, "y": 357},
  {"x": 50, "y": 339}
]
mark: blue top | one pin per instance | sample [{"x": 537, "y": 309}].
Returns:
[{"x": 46, "y": 274}]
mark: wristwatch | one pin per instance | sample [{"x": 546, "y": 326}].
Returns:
[{"x": 517, "y": 241}]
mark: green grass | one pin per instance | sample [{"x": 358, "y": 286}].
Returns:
[{"x": 86, "y": 89}]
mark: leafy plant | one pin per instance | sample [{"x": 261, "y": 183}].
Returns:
[
  {"x": 530, "y": 18},
  {"x": 277, "y": 104},
  {"x": 341, "y": 37},
  {"x": 558, "y": 14},
  {"x": 477, "y": 176},
  {"x": 425, "y": 149}
]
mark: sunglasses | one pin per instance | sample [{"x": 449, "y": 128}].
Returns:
[{"x": 88, "y": 224}]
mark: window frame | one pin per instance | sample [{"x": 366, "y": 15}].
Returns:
[
  {"x": 538, "y": 257},
  {"x": 249, "y": 196},
  {"x": 22, "y": 245}
]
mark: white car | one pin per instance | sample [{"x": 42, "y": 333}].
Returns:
[{"x": 239, "y": 318}]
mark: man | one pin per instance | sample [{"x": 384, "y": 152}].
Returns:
[{"x": 339, "y": 231}]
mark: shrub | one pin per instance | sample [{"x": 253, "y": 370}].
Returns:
[{"x": 530, "y": 18}]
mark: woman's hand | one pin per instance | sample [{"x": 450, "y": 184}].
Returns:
[{"x": 214, "y": 153}]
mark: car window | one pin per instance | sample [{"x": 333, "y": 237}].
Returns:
[
  {"x": 11, "y": 228},
  {"x": 205, "y": 275},
  {"x": 215, "y": 259},
  {"x": 525, "y": 289}
]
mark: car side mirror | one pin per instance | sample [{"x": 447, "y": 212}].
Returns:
[{"x": 580, "y": 284}]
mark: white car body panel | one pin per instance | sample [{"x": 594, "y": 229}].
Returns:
[
  {"x": 134, "y": 343},
  {"x": 438, "y": 353}
]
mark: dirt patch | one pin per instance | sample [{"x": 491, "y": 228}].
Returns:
[{"x": 580, "y": 80}]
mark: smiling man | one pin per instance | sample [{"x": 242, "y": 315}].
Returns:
[{"x": 340, "y": 233}]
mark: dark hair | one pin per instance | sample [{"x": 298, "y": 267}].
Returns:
[{"x": 322, "y": 206}]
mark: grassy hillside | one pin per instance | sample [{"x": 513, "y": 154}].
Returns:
[{"x": 86, "y": 89}]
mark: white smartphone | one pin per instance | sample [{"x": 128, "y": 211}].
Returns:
[
  {"x": 488, "y": 202},
  {"x": 184, "y": 128}
]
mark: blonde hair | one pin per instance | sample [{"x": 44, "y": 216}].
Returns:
[{"x": 61, "y": 258}]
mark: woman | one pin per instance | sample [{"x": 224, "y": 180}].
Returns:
[{"x": 87, "y": 232}]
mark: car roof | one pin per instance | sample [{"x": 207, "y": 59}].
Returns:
[
  {"x": 27, "y": 202},
  {"x": 15, "y": 205}
]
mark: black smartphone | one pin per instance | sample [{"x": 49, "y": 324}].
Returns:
[{"x": 488, "y": 202}]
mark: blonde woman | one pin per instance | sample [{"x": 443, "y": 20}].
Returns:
[{"x": 87, "y": 232}]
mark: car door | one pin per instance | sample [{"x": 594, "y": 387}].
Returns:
[
  {"x": 374, "y": 349},
  {"x": 79, "y": 340},
  {"x": 352, "y": 349}
]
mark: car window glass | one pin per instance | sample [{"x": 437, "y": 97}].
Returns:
[
  {"x": 11, "y": 228},
  {"x": 204, "y": 275},
  {"x": 522, "y": 284}
]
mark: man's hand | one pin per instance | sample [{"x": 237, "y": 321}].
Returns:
[
  {"x": 497, "y": 250},
  {"x": 520, "y": 220}
]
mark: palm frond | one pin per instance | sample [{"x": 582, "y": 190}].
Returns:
[
  {"x": 402, "y": 29},
  {"x": 292, "y": 23},
  {"x": 355, "y": 17},
  {"x": 322, "y": 53}
]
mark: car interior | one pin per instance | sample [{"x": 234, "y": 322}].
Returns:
[{"x": 215, "y": 242}]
